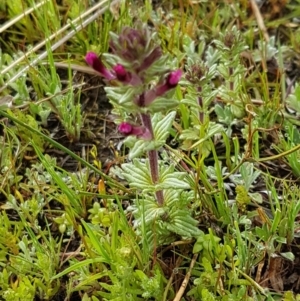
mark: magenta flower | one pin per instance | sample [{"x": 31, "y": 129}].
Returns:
[
  {"x": 145, "y": 99},
  {"x": 125, "y": 128},
  {"x": 128, "y": 129},
  {"x": 93, "y": 60},
  {"x": 126, "y": 77},
  {"x": 121, "y": 73},
  {"x": 171, "y": 82},
  {"x": 174, "y": 78}
]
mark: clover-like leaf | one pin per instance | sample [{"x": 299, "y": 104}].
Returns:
[
  {"x": 122, "y": 96},
  {"x": 169, "y": 179},
  {"x": 161, "y": 126},
  {"x": 183, "y": 223},
  {"x": 137, "y": 175},
  {"x": 161, "y": 104}
]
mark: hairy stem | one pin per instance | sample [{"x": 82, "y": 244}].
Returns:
[
  {"x": 231, "y": 83},
  {"x": 153, "y": 159},
  {"x": 200, "y": 103}
]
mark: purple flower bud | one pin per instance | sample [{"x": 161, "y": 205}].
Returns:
[
  {"x": 130, "y": 44},
  {"x": 174, "y": 78},
  {"x": 93, "y": 60},
  {"x": 121, "y": 73},
  {"x": 125, "y": 128},
  {"x": 146, "y": 98},
  {"x": 128, "y": 129},
  {"x": 136, "y": 48},
  {"x": 151, "y": 58},
  {"x": 126, "y": 77},
  {"x": 171, "y": 82}
]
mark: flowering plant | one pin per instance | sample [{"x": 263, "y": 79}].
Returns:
[{"x": 140, "y": 82}]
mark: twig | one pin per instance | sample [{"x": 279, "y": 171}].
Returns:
[
  {"x": 74, "y": 67},
  {"x": 104, "y": 5},
  {"x": 177, "y": 264},
  {"x": 259, "y": 19},
  {"x": 19, "y": 17},
  {"x": 54, "y": 35},
  {"x": 186, "y": 279}
]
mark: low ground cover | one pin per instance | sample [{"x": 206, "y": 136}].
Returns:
[{"x": 149, "y": 151}]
